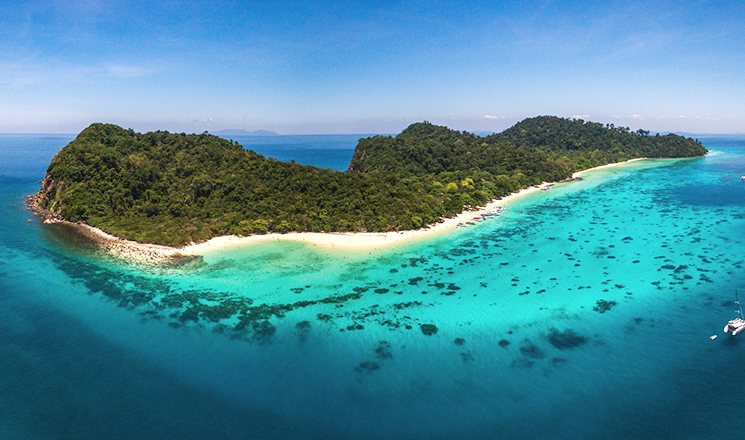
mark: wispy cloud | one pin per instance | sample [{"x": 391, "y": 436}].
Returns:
[
  {"x": 494, "y": 117},
  {"x": 122, "y": 71},
  {"x": 23, "y": 74},
  {"x": 581, "y": 116}
]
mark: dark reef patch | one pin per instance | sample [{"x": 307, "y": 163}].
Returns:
[
  {"x": 532, "y": 351},
  {"x": 603, "y": 306},
  {"x": 263, "y": 331},
  {"x": 429, "y": 329},
  {"x": 383, "y": 350},
  {"x": 414, "y": 281},
  {"x": 367, "y": 367},
  {"x": 406, "y": 305},
  {"x": 566, "y": 339},
  {"x": 558, "y": 361}
]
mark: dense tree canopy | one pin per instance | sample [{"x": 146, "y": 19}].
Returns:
[{"x": 175, "y": 189}]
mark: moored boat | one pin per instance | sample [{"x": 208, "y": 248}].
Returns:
[{"x": 736, "y": 325}]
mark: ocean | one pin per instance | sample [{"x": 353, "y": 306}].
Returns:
[
  {"x": 583, "y": 312},
  {"x": 322, "y": 150}
]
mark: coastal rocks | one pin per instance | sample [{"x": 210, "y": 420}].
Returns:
[{"x": 428, "y": 329}]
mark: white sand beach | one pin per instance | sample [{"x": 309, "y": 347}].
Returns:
[{"x": 579, "y": 173}]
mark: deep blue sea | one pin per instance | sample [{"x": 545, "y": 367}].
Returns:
[{"x": 583, "y": 312}]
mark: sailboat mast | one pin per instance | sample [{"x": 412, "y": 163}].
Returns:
[{"x": 739, "y": 307}]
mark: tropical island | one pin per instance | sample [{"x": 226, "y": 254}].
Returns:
[{"x": 176, "y": 189}]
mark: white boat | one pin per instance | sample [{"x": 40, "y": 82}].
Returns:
[{"x": 736, "y": 325}]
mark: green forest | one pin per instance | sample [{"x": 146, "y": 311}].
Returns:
[{"x": 176, "y": 189}]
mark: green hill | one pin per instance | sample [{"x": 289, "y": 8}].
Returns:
[{"x": 175, "y": 189}]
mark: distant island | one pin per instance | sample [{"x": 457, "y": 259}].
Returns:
[
  {"x": 176, "y": 189},
  {"x": 241, "y": 132}
]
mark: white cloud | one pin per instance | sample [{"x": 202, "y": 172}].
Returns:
[
  {"x": 581, "y": 116},
  {"x": 201, "y": 122},
  {"x": 494, "y": 117}
]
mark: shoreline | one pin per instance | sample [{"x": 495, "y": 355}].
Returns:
[
  {"x": 368, "y": 240},
  {"x": 579, "y": 173},
  {"x": 153, "y": 253},
  {"x": 356, "y": 240}
]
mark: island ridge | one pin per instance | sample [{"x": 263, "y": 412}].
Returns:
[{"x": 179, "y": 189}]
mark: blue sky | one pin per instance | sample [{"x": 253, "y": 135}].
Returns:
[{"x": 354, "y": 67}]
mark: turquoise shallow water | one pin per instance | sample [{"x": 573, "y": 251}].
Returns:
[{"x": 581, "y": 312}]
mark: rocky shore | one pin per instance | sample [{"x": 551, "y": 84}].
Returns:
[{"x": 117, "y": 247}]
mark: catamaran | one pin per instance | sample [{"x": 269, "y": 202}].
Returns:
[{"x": 738, "y": 324}]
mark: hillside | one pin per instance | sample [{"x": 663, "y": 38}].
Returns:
[{"x": 547, "y": 148}]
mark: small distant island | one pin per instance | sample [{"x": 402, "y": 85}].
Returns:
[
  {"x": 241, "y": 132},
  {"x": 176, "y": 189}
]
